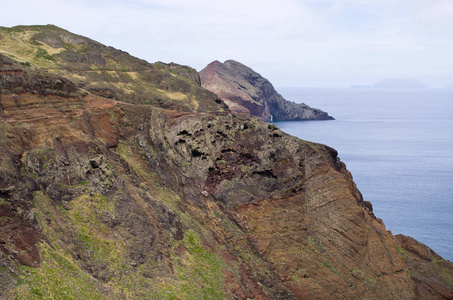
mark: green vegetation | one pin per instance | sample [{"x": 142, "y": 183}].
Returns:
[
  {"x": 447, "y": 274},
  {"x": 403, "y": 253},
  {"x": 106, "y": 71},
  {"x": 103, "y": 268},
  {"x": 3, "y": 201},
  {"x": 112, "y": 229},
  {"x": 42, "y": 54},
  {"x": 58, "y": 278},
  {"x": 126, "y": 152},
  {"x": 200, "y": 272}
]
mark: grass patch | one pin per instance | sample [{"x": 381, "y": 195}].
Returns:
[
  {"x": 447, "y": 274},
  {"x": 403, "y": 253},
  {"x": 125, "y": 151},
  {"x": 57, "y": 278},
  {"x": 3, "y": 201},
  {"x": 200, "y": 271}
]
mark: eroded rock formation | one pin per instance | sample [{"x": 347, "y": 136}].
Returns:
[
  {"x": 245, "y": 91},
  {"x": 102, "y": 199}
]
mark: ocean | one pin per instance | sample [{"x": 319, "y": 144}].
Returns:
[{"x": 398, "y": 145}]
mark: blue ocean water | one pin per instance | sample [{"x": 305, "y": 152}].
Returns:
[{"x": 398, "y": 145}]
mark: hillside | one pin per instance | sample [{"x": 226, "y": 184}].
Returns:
[
  {"x": 105, "y": 199},
  {"x": 246, "y": 91},
  {"x": 106, "y": 71}
]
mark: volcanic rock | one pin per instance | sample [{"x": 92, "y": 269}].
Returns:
[
  {"x": 103, "y": 199},
  {"x": 245, "y": 91}
]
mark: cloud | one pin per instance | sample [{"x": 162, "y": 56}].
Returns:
[{"x": 329, "y": 41}]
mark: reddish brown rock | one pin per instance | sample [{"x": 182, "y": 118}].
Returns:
[
  {"x": 18, "y": 238},
  {"x": 432, "y": 275},
  {"x": 245, "y": 91},
  {"x": 215, "y": 205}
]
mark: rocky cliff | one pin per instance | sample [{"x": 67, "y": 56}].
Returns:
[
  {"x": 103, "y": 199},
  {"x": 246, "y": 91}
]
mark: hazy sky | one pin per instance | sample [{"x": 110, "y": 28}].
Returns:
[{"x": 290, "y": 42}]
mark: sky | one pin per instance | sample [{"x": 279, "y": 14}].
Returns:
[{"x": 293, "y": 43}]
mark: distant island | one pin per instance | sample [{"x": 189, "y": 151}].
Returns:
[
  {"x": 395, "y": 84},
  {"x": 360, "y": 86},
  {"x": 400, "y": 83}
]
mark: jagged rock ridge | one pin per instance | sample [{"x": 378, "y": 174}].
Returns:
[
  {"x": 102, "y": 199},
  {"x": 246, "y": 91}
]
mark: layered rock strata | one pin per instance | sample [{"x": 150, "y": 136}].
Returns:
[
  {"x": 246, "y": 91},
  {"x": 106, "y": 71},
  {"x": 102, "y": 199}
]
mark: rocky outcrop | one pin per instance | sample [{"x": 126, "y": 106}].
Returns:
[
  {"x": 15, "y": 80},
  {"x": 245, "y": 91},
  {"x": 102, "y": 199},
  {"x": 431, "y": 274}
]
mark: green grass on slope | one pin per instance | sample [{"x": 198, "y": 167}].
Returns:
[
  {"x": 106, "y": 71},
  {"x": 77, "y": 241}
]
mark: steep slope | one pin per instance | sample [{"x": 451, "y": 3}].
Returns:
[
  {"x": 101, "y": 199},
  {"x": 106, "y": 71},
  {"x": 245, "y": 91}
]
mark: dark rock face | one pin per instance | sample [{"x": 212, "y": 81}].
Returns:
[
  {"x": 101, "y": 199},
  {"x": 17, "y": 81},
  {"x": 13, "y": 79},
  {"x": 245, "y": 91}
]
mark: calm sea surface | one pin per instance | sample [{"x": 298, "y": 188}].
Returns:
[{"x": 398, "y": 145}]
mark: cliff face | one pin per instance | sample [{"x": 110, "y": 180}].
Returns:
[
  {"x": 245, "y": 91},
  {"x": 102, "y": 199}
]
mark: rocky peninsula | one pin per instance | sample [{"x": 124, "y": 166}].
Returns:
[{"x": 246, "y": 91}]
